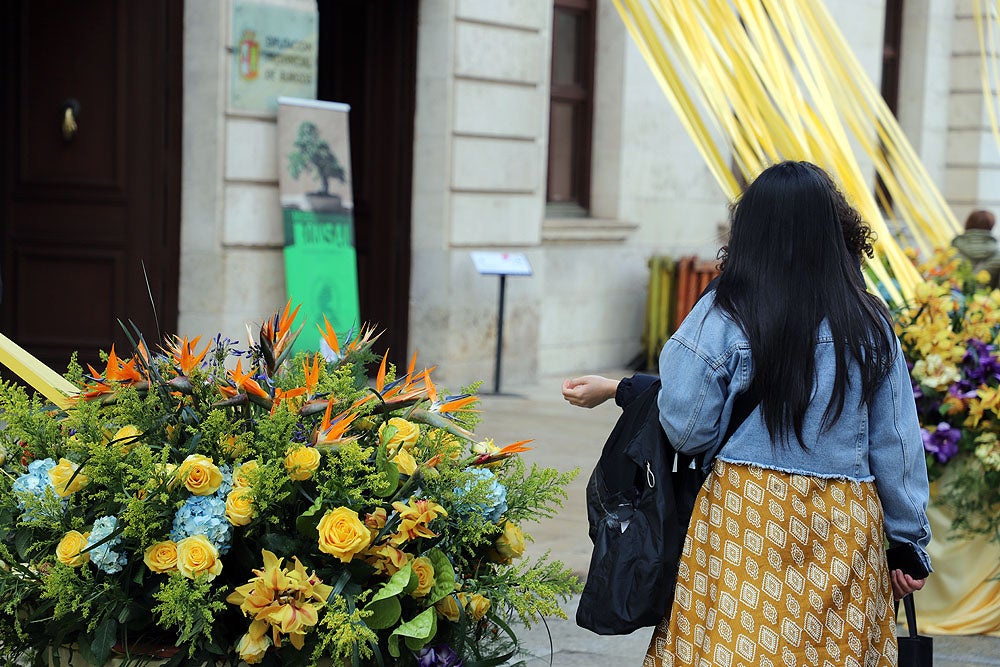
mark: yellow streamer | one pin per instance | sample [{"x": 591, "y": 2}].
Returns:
[
  {"x": 778, "y": 81},
  {"x": 46, "y": 381},
  {"x": 989, "y": 57}
]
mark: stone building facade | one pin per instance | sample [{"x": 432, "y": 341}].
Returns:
[{"x": 480, "y": 140}]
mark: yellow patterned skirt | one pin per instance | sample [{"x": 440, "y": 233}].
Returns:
[{"x": 780, "y": 570}]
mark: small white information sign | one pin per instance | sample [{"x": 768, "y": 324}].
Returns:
[{"x": 501, "y": 263}]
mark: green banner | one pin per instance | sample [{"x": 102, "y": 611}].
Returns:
[
  {"x": 321, "y": 266},
  {"x": 321, "y": 272}
]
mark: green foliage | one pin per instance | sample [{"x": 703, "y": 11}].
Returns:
[
  {"x": 44, "y": 512},
  {"x": 19, "y": 592},
  {"x": 342, "y": 633},
  {"x": 76, "y": 592},
  {"x": 271, "y": 489},
  {"x": 349, "y": 479},
  {"x": 532, "y": 590},
  {"x": 534, "y": 495},
  {"x": 190, "y": 606},
  {"x": 28, "y": 421}
]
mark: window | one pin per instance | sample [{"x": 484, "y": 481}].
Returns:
[{"x": 571, "y": 108}]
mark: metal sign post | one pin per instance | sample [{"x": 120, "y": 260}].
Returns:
[{"x": 501, "y": 264}]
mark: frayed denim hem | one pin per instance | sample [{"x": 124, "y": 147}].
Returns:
[{"x": 793, "y": 471}]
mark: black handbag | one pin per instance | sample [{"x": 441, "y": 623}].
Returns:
[
  {"x": 639, "y": 503},
  {"x": 915, "y": 650}
]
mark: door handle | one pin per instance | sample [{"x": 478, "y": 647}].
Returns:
[{"x": 70, "y": 113}]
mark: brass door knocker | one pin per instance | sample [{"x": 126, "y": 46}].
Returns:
[{"x": 70, "y": 114}]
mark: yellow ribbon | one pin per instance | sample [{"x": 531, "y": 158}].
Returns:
[{"x": 759, "y": 81}]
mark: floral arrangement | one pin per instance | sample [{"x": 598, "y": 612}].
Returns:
[
  {"x": 950, "y": 333},
  {"x": 185, "y": 509}
]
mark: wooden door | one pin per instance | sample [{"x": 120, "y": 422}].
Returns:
[
  {"x": 367, "y": 58},
  {"x": 86, "y": 217}
]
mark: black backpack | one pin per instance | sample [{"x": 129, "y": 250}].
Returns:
[{"x": 639, "y": 502}]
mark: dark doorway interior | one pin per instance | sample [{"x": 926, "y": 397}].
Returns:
[
  {"x": 88, "y": 213},
  {"x": 892, "y": 49},
  {"x": 367, "y": 58}
]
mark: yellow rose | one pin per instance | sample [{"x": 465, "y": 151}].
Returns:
[
  {"x": 239, "y": 506},
  {"x": 244, "y": 473},
  {"x": 69, "y": 548},
  {"x": 196, "y": 555},
  {"x": 405, "y": 462},
  {"x": 405, "y": 436},
  {"x": 476, "y": 605},
  {"x": 448, "y": 607},
  {"x": 201, "y": 476},
  {"x": 126, "y": 437},
  {"x": 510, "y": 544},
  {"x": 424, "y": 570},
  {"x": 161, "y": 557},
  {"x": 63, "y": 473},
  {"x": 342, "y": 534},
  {"x": 302, "y": 462}
]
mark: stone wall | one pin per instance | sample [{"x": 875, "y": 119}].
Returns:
[
  {"x": 972, "y": 165},
  {"x": 481, "y": 131},
  {"x": 478, "y": 181},
  {"x": 232, "y": 271}
]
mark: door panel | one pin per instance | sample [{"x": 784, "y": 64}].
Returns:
[
  {"x": 88, "y": 221},
  {"x": 81, "y": 54},
  {"x": 367, "y": 58}
]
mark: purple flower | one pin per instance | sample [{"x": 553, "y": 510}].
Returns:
[
  {"x": 962, "y": 390},
  {"x": 439, "y": 656},
  {"x": 943, "y": 442},
  {"x": 980, "y": 363}
]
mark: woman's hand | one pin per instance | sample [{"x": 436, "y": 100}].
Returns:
[
  {"x": 589, "y": 391},
  {"x": 904, "y": 584}
]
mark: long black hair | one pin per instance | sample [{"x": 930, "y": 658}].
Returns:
[{"x": 793, "y": 261}]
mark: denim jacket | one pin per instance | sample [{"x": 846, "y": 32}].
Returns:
[{"x": 707, "y": 362}]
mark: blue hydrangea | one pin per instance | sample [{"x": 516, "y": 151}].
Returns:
[
  {"x": 227, "y": 481},
  {"x": 496, "y": 498},
  {"x": 35, "y": 482},
  {"x": 203, "y": 515},
  {"x": 104, "y": 557}
]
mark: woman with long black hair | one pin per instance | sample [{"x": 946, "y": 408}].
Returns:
[{"x": 784, "y": 560}]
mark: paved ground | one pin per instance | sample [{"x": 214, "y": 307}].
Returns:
[{"x": 566, "y": 438}]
